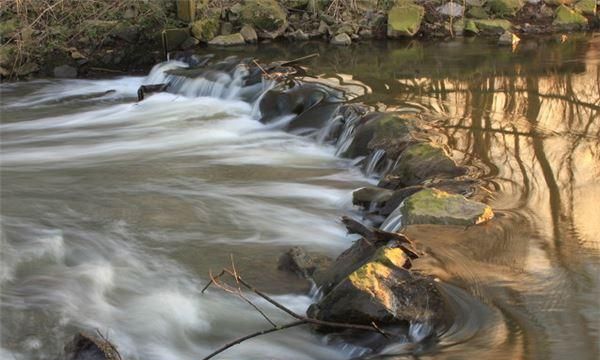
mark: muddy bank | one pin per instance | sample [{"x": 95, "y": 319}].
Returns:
[{"x": 71, "y": 38}]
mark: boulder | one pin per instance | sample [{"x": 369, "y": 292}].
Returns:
[
  {"x": 477, "y": 12},
  {"x": 586, "y": 7},
  {"x": 382, "y": 291},
  {"x": 65, "y": 71},
  {"x": 404, "y": 20},
  {"x": 502, "y": 8},
  {"x": 226, "y": 28},
  {"x": 508, "y": 38},
  {"x": 249, "y": 34},
  {"x": 87, "y": 347},
  {"x": 228, "y": 40},
  {"x": 451, "y": 9},
  {"x": 568, "y": 19},
  {"x": 433, "y": 206},
  {"x": 297, "y": 35},
  {"x": 388, "y": 132},
  {"x": 297, "y": 261},
  {"x": 496, "y": 26},
  {"x": 206, "y": 29},
  {"x": 126, "y": 32},
  {"x": 371, "y": 195},
  {"x": 266, "y": 16},
  {"x": 341, "y": 39},
  {"x": 423, "y": 161}
]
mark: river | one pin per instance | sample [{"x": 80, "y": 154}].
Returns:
[{"x": 114, "y": 212}]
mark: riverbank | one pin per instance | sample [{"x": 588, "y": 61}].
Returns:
[{"x": 78, "y": 39}]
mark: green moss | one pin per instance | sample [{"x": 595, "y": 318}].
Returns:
[
  {"x": 504, "y": 8},
  {"x": 405, "y": 20},
  {"x": 586, "y": 7},
  {"x": 367, "y": 276},
  {"x": 206, "y": 29},
  {"x": 265, "y": 15},
  {"x": 390, "y": 257},
  {"x": 569, "y": 19},
  {"x": 496, "y": 26},
  {"x": 471, "y": 27}
]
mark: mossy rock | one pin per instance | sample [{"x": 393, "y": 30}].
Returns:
[
  {"x": 568, "y": 19},
  {"x": 586, "y": 7},
  {"x": 504, "y": 8},
  {"x": 381, "y": 291},
  {"x": 433, "y": 206},
  {"x": 423, "y": 161},
  {"x": 404, "y": 20},
  {"x": 206, "y": 29},
  {"x": 492, "y": 26},
  {"x": 477, "y": 12},
  {"x": 228, "y": 40},
  {"x": 266, "y": 16},
  {"x": 380, "y": 131},
  {"x": 471, "y": 27}
]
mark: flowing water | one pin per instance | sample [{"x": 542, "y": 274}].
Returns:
[{"x": 114, "y": 212}]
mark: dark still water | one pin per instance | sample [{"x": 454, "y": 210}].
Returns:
[{"x": 113, "y": 212}]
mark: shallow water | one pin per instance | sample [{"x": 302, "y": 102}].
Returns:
[{"x": 113, "y": 212}]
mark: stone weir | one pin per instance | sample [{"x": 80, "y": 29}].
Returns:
[{"x": 373, "y": 282}]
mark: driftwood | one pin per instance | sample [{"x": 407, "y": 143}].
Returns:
[
  {"x": 150, "y": 89},
  {"x": 376, "y": 237},
  {"x": 299, "y": 319}
]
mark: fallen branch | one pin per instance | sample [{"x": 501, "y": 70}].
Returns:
[{"x": 300, "y": 319}]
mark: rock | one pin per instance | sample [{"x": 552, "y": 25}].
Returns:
[
  {"x": 558, "y": 2},
  {"x": 27, "y": 68},
  {"x": 370, "y": 196},
  {"x": 477, "y": 12},
  {"x": 296, "y": 4},
  {"x": 504, "y": 8},
  {"x": 380, "y": 290},
  {"x": 567, "y": 19},
  {"x": 86, "y": 347},
  {"x": 470, "y": 27},
  {"x": 189, "y": 43},
  {"x": 298, "y": 261},
  {"x": 586, "y": 7},
  {"x": 388, "y": 132},
  {"x": 226, "y": 28},
  {"x": 249, "y": 34},
  {"x": 365, "y": 34},
  {"x": 508, "y": 38},
  {"x": 451, "y": 9},
  {"x": 128, "y": 33},
  {"x": 228, "y": 40},
  {"x": 496, "y": 26},
  {"x": 433, "y": 206},
  {"x": 341, "y": 39},
  {"x": 423, "y": 161},
  {"x": 205, "y": 29},
  {"x": 65, "y": 71},
  {"x": 297, "y": 35},
  {"x": 345, "y": 29},
  {"x": 323, "y": 28},
  {"x": 404, "y": 20},
  {"x": 266, "y": 16}
]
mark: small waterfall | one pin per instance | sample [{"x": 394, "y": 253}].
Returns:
[
  {"x": 372, "y": 162},
  {"x": 393, "y": 223},
  {"x": 324, "y": 134}
]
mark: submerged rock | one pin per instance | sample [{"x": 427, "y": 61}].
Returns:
[
  {"x": 404, "y": 20},
  {"x": 422, "y": 161},
  {"x": 433, "y": 206},
  {"x": 266, "y": 16},
  {"x": 381, "y": 290},
  {"x": 298, "y": 261},
  {"x": 86, "y": 347},
  {"x": 568, "y": 19}
]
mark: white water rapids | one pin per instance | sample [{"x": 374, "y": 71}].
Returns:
[{"x": 113, "y": 212}]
